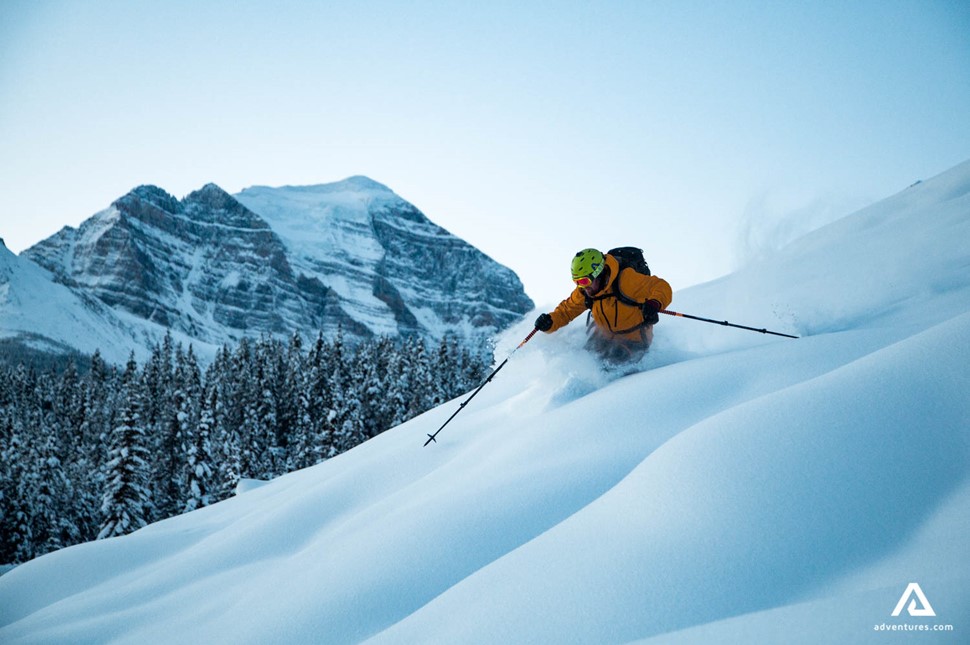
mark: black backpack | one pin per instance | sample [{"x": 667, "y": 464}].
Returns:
[{"x": 628, "y": 257}]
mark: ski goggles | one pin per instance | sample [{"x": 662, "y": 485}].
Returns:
[{"x": 585, "y": 281}]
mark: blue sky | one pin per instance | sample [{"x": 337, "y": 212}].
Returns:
[{"x": 701, "y": 131}]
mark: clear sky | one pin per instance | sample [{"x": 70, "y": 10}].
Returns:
[{"x": 700, "y": 131}]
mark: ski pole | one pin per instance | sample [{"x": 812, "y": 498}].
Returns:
[
  {"x": 431, "y": 437},
  {"x": 725, "y": 323}
]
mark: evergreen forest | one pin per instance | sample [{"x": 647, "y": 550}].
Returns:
[{"x": 98, "y": 451}]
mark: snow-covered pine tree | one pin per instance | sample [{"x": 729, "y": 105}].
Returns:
[
  {"x": 50, "y": 494},
  {"x": 397, "y": 390},
  {"x": 96, "y": 384},
  {"x": 186, "y": 400},
  {"x": 420, "y": 377},
  {"x": 270, "y": 461},
  {"x": 44, "y": 487},
  {"x": 226, "y": 441},
  {"x": 301, "y": 450},
  {"x": 16, "y": 538},
  {"x": 445, "y": 367},
  {"x": 243, "y": 409},
  {"x": 320, "y": 366},
  {"x": 289, "y": 376},
  {"x": 372, "y": 362},
  {"x": 7, "y": 490},
  {"x": 68, "y": 409},
  {"x": 198, "y": 457},
  {"x": 86, "y": 469},
  {"x": 126, "y": 496},
  {"x": 158, "y": 420},
  {"x": 348, "y": 423}
]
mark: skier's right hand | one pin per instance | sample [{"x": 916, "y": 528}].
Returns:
[{"x": 544, "y": 322}]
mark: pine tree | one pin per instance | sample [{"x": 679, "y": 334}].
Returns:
[
  {"x": 302, "y": 451},
  {"x": 445, "y": 371},
  {"x": 397, "y": 390},
  {"x": 421, "y": 395},
  {"x": 301, "y": 448},
  {"x": 372, "y": 364},
  {"x": 126, "y": 498},
  {"x": 69, "y": 409},
  {"x": 244, "y": 410},
  {"x": 39, "y": 448},
  {"x": 158, "y": 417},
  {"x": 230, "y": 463},
  {"x": 199, "y": 456},
  {"x": 269, "y": 459},
  {"x": 16, "y": 537},
  {"x": 50, "y": 493},
  {"x": 321, "y": 405},
  {"x": 222, "y": 377},
  {"x": 185, "y": 401},
  {"x": 42, "y": 488},
  {"x": 289, "y": 377},
  {"x": 347, "y": 422},
  {"x": 86, "y": 469}
]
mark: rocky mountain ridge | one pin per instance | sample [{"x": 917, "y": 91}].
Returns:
[{"x": 213, "y": 268}]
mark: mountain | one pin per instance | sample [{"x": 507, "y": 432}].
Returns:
[
  {"x": 36, "y": 311},
  {"x": 213, "y": 268},
  {"x": 389, "y": 265},
  {"x": 741, "y": 488}
]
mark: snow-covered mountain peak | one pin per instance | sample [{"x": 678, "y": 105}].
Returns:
[
  {"x": 214, "y": 267},
  {"x": 349, "y": 199},
  {"x": 210, "y": 194},
  {"x": 356, "y": 183},
  {"x": 152, "y": 195},
  {"x": 211, "y": 204},
  {"x": 377, "y": 250}
]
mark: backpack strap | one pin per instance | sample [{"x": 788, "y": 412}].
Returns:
[{"x": 616, "y": 292}]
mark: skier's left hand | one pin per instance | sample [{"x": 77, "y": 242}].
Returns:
[{"x": 651, "y": 312}]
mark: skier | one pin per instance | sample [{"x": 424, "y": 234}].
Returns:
[{"x": 624, "y": 306}]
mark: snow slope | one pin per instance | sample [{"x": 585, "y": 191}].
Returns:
[
  {"x": 743, "y": 488},
  {"x": 39, "y": 312}
]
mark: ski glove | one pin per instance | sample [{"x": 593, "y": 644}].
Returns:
[
  {"x": 651, "y": 312},
  {"x": 544, "y": 322}
]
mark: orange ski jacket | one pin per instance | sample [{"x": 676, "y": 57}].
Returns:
[{"x": 613, "y": 317}]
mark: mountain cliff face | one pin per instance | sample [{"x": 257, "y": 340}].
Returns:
[
  {"x": 392, "y": 268},
  {"x": 214, "y": 267}
]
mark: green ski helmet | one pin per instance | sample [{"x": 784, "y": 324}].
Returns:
[{"x": 586, "y": 266}]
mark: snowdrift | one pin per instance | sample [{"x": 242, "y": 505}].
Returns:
[{"x": 742, "y": 488}]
